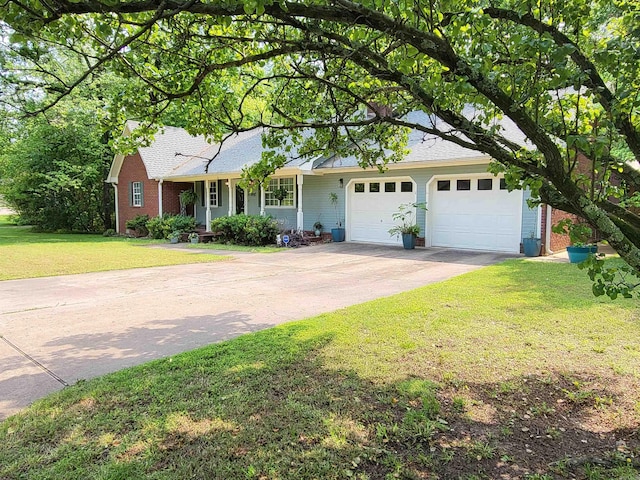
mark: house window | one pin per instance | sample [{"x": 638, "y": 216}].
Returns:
[
  {"x": 136, "y": 194},
  {"x": 390, "y": 187},
  {"x": 503, "y": 184},
  {"x": 213, "y": 194},
  {"x": 280, "y": 193},
  {"x": 485, "y": 184},
  {"x": 463, "y": 185},
  {"x": 359, "y": 187},
  {"x": 406, "y": 186},
  {"x": 444, "y": 185},
  {"x": 374, "y": 187}
]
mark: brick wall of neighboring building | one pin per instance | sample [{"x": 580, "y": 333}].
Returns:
[
  {"x": 133, "y": 170},
  {"x": 557, "y": 241}
]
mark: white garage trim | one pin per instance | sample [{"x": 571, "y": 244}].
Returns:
[
  {"x": 368, "y": 214},
  {"x": 473, "y": 219}
]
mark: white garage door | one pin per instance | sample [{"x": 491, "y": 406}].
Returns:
[
  {"x": 371, "y": 204},
  {"x": 475, "y": 213}
]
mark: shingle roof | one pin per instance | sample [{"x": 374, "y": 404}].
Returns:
[
  {"x": 175, "y": 153},
  {"x": 160, "y": 156},
  {"x": 425, "y": 148},
  {"x": 237, "y": 151}
]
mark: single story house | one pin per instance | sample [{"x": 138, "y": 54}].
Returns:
[{"x": 467, "y": 207}]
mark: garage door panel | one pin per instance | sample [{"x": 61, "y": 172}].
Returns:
[
  {"x": 371, "y": 213},
  {"x": 476, "y": 219}
]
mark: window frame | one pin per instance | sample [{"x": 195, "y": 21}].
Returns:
[
  {"x": 213, "y": 195},
  {"x": 270, "y": 201},
  {"x": 136, "y": 194}
]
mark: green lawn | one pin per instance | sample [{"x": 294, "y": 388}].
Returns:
[
  {"x": 26, "y": 254},
  {"x": 513, "y": 371}
]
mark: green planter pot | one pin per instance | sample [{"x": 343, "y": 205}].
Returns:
[
  {"x": 408, "y": 241},
  {"x": 580, "y": 254},
  {"x": 337, "y": 234},
  {"x": 531, "y": 247}
]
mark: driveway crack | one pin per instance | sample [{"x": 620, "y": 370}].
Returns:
[{"x": 34, "y": 361}]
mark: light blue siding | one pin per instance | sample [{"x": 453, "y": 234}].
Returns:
[
  {"x": 316, "y": 191},
  {"x": 530, "y": 218}
]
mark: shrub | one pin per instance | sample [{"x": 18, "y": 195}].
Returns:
[
  {"x": 252, "y": 230},
  {"x": 109, "y": 232},
  {"x": 161, "y": 227},
  {"x": 139, "y": 225}
]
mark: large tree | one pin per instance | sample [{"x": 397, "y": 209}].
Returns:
[{"x": 565, "y": 73}]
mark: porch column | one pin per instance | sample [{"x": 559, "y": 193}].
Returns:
[
  {"x": 300, "y": 215},
  {"x": 207, "y": 202},
  {"x": 160, "y": 197},
  {"x": 195, "y": 205},
  {"x": 231, "y": 189},
  {"x": 115, "y": 188},
  {"x": 262, "y": 199},
  {"x": 246, "y": 201}
]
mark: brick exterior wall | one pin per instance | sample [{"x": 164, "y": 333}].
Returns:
[
  {"x": 171, "y": 197},
  {"x": 557, "y": 242},
  {"x": 133, "y": 170}
]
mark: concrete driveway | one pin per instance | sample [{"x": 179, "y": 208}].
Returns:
[{"x": 57, "y": 330}]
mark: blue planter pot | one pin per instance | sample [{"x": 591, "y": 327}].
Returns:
[
  {"x": 580, "y": 254},
  {"x": 408, "y": 241},
  {"x": 531, "y": 247},
  {"x": 337, "y": 234}
]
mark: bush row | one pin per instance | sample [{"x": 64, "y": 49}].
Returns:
[
  {"x": 161, "y": 227},
  {"x": 243, "y": 229}
]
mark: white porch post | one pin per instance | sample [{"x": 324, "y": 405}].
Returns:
[
  {"x": 246, "y": 201},
  {"x": 160, "y": 197},
  {"x": 262, "y": 199},
  {"x": 300, "y": 216},
  {"x": 207, "y": 202},
  {"x": 231, "y": 189},
  {"x": 115, "y": 188},
  {"x": 195, "y": 205}
]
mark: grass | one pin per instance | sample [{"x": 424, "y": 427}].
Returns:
[
  {"x": 26, "y": 254},
  {"x": 492, "y": 374}
]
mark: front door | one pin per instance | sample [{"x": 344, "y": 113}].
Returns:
[{"x": 239, "y": 200}]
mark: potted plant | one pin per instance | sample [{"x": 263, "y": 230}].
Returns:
[
  {"x": 317, "y": 227},
  {"x": 531, "y": 245},
  {"x": 193, "y": 237},
  {"x": 337, "y": 234},
  {"x": 174, "y": 237},
  {"x": 579, "y": 236},
  {"x": 407, "y": 226}
]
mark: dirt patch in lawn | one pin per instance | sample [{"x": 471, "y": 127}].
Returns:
[{"x": 557, "y": 426}]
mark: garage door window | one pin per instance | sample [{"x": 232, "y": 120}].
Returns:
[
  {"x": 374, "y": 187},
  {"x": 406, "y": 186},
  {"x": 390, "y": 187},
  {"x": 444, "y": 185},
  {"x": 464, "y": 185},
  {"x": 485, "y": 184},
  {"x": 359, "y": 187},
  {"x": 503, "y": 184}
]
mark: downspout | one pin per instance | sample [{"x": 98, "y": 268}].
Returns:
[
  {"x": 160, "y": 197},
  {"x": 547, "y": 233},
  {"x": 115, "y": 189}
]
